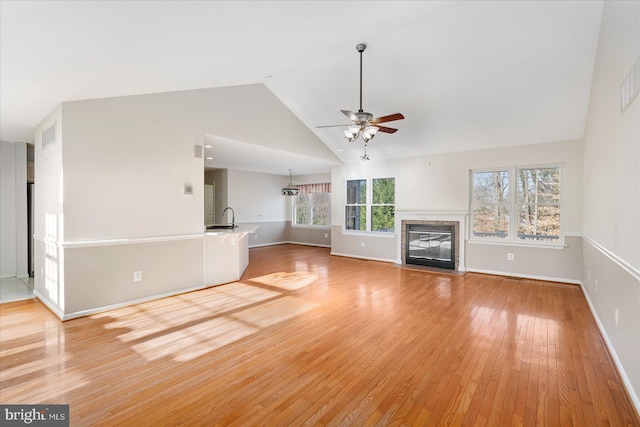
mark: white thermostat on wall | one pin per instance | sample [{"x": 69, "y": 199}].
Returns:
[{"x": 188, "y": 189}]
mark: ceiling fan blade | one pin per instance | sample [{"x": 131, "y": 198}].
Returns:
[
  {"x": 350, "y": 114},
  {"x": 386, "y": 129},
  {"x": 389, "y": 118},
  {"x": 332, "y": 126}
]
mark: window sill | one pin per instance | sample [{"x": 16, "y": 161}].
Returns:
[
  {"x": 559, "y": 245},
  {"x": 312, "y": 227}
]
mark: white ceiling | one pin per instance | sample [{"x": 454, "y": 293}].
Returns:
[{"x": 466, "y": 75}]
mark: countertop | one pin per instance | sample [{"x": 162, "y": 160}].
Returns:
[{"x": 240, "y": 229}]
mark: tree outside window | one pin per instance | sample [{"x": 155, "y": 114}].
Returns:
[
  {"x": 383, "y": 206},
  {"x": 539, "y": 204},
  {"x": 490, "y": 204},
  {"x": 356, "y": 206},
  {"x": 532, "y": 214},
  {"x": 370, "y": 205},
  {"x": 312, "y": 209}
]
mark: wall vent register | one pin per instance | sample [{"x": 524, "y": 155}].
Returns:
[
  {"x": 630, "y": 86},
  {"x": 49, "y": 136}
]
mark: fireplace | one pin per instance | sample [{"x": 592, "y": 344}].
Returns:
[
  {"x": 455, "y": 220},
  {"x": 432, "y": 245}
]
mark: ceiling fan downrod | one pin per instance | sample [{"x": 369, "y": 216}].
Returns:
[{"x": 360, "y": 47}]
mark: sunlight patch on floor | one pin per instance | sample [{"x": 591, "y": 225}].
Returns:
[
  {"x": 288, "y": 281},
  {"x": 193, "y": 341},
  {"x": 153, "y": 318},
  {"x": 275, "y": 311},
  {"x": 215, "y": 317}
]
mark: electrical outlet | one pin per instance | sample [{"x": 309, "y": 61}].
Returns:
[
  {"x": 510, "y": 256},
  {"x": 326, "y": 235},
  {"x": 137, "y": 276},
  {"x": 596, "y": 285},
  {"x": 615, "y": 316},
  {"x": 362, "y": 243}
]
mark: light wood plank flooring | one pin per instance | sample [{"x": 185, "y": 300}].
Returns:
[{"x": 306, "y": 338}]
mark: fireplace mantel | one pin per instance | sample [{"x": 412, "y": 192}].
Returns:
[{"x": 401, "y": 218}]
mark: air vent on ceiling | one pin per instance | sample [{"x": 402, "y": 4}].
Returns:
[
  {"x": 49, "y": 136},
  {"x": 630, "y": 86}
]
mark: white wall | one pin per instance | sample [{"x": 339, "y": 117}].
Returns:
[
  {"x": 13, "y": 215},
  {"x": 49, "y": 216},
  {"x": 611, "y": 254},
  {"x": 612, "y": 141},
  {"x": 441, "y": 183},
  {"x": 125, "y": 164},
  {"x": 117, "y": 173},
  {"x": 255, "y": 197},
  {"x": 8, "y": 209}
]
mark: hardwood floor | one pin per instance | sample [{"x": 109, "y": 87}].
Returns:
[{"x": 306, "y": 338}]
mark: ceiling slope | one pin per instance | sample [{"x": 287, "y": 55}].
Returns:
[{"x": 466, "y": 75}]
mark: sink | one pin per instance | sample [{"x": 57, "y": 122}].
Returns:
[{"x": 221, "y": 226}]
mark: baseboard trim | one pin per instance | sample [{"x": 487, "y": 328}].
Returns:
[
  {"x": 524, "y": 276},
  {"x": 92, "y": 311},
  {"x": 262, "y": 245},
  {"x": 393, "y": 261},
  {"x": 616, "y": 360},
  {"x": 309, "y": 244},
  {"x": 47, "y": 303},
  {"x": 288, "y": 243}
]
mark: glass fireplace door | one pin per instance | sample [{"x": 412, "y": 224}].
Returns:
[{"x": 430, "y": 246}]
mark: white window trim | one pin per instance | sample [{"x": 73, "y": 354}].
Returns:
[
  {"x": 367, "y": 206},
  {"x": 512, "y": 239},
  {"x": 315, "y": 227},
  {"x": 310, "y": 226}
]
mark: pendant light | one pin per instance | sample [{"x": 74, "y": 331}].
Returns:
[{"x": 290, "y": 189}]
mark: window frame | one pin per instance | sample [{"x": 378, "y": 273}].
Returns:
[
  {"x": 368, "y": 206},
  {"x": 310, "y": 213},
  {"x": 513, "y": 205}
]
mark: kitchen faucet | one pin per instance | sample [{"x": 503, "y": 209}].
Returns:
[{"x": 233, "y": 215}]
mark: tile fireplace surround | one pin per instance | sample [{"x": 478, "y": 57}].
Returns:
[{"x": 457, "y": 218}]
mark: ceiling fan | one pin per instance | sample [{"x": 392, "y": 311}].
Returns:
[{"x": 363, "y": 123}]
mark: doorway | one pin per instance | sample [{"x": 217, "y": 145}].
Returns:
[{"x": 210, "y": 204}]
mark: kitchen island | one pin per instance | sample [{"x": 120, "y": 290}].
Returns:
[{"x": 226, "y": 254}]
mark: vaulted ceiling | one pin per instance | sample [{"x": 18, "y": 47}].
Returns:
[{"x": 466, "y": 75}]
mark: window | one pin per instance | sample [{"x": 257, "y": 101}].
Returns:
[
  {"x": 539, "y": 204},
  {"x": 490, "y": 204},
  {"x": 516, "y": 204},
  {"x": 383, "y": 206},
  {"x": 370, "y": 207},
  {"x": 356, "y": 206},
  {"x": 312, "y": 209}
]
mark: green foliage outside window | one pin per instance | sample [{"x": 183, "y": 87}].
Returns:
[
  {"x": 381, "y": 207},
  {"x": 313, "y": 209}
]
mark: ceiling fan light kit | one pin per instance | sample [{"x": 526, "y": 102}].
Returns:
[{"x": 363, "y": 123}]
